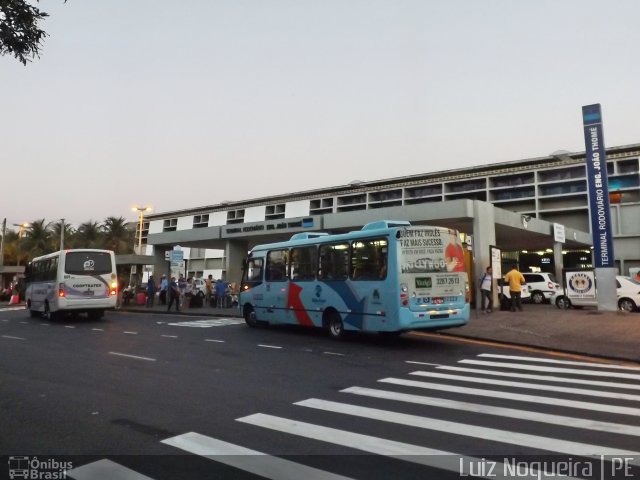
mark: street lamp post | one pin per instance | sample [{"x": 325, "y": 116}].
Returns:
[
  {"x": 21, "y": 226},
  {"x": 141, "y": 210}
]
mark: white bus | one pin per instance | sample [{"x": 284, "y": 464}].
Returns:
[{"x": 76, "y": 281}]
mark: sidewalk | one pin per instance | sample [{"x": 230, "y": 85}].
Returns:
[{"x": 614, "y": 335}]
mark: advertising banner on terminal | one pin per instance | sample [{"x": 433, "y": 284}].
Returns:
[{"x": 598, "y": 186}]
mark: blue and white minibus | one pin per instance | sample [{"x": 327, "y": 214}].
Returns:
[
  {"x": 388, "y": 277},
  {"x": 74, "y": 280}
]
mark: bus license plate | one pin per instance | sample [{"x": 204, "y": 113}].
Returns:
[
  {"x": 88, "y": 293},
  {"x": 437, "y": 300}
]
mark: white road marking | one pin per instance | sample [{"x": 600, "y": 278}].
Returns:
[
  {"x": 247, "y": 460},
  {"x": 130, "y": 333},
  {"x": 560, "y": 402},
  {"x": 563, "y": 362},
  {"x": 45, "y": 324},
  {"x": 169, "y": 336},
  {"x": 532, "y": 386},
  {"x": 423, "y": 363},
  {"x": 24, "y": 323},
  {"x": 536, "y": 368},
  {"x": 98, "y": 329},
  {"x": 13, "y": 338},
  {"x": 11, "y": 309},
  {"x": 334, "y": 353},
  {"x": 69, "y": 326},
  {"x": 216, "y": 322},
  {"x": 571, "y": 422},
  {"x": 133, "y": 356},
  {"x": 548, "y": 378},
  {"x": 403, "y": 451},
  {"x": 213, "y": 340},
  {"x": 105, "y": 469},
  {"x": 269, "y": 346},
  {"x": 485, "y": 433}
]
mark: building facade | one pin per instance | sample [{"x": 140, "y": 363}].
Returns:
[{"x": 524, "y": 199}]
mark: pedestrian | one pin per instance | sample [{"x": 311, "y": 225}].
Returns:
[
  {"x": 151, "y": 291},
  {"x": 174, "y": 294},
  {"x": 208, "y": 285},
  {"x": 164, "y": 287},
  {"x": 486, "y": 293},
  {"x": 515, "y": 280},
  {"x": 221, "y": 289}
]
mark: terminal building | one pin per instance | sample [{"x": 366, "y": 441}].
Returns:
[{"x": 515, "y": 206}]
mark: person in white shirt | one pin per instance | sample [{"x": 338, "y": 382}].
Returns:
[{"x": 485, "y": 291}]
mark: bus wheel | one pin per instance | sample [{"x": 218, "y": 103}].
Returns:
[
  {"x": 249, "y": 316},
  {"x": 335, "y": 327},
  {"x": 48, "y": 314}
]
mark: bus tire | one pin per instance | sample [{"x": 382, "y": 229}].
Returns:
[
  {"x": 249, "y": 316},
  {"x": 48, "y": 314},
  {"x": 334, "y": 325}
]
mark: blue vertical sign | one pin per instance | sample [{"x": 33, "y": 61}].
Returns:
[{"x": 596, "y": 159}]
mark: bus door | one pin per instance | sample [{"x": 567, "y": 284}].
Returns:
[{"x": 276, "y": 288}]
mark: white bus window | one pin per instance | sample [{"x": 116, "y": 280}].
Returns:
[{"x": 87, "y": 263}]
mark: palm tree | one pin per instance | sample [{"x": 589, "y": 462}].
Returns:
[
  {"x": 38, "y": 239},
  {"x": 117, "y": 236},
  {"x": 89, "y": 235}
]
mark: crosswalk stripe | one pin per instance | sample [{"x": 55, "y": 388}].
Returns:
[
  {"x": 562, "y": 362},
  {"x": 379, "y": 446},
  {"x": 597, "y": 407},
  {"x": 248, "y": 460},
  {"x": 536, "y": 368},
  {"x": 571, "y": 422},
  {"x": 532, "y": 386},
  {"x": 549, "y": 378},
  {"x": 492, "y": 434},
  {"x": 105, "y": 468}
]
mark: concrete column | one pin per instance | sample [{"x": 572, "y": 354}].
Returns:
[
  {"x": 160, "y": 265},
  {"x": 235, "y": 251},
  {"x": 484, "y": 235},
  {"x": 558, "y": 262}
]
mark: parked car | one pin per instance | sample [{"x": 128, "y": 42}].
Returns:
[
  {"x": 627, "y": 292},
  {"x": 542, "y": 287},
  {"x": 506, "y": 294},
  {"x": 199, "y": 287}
]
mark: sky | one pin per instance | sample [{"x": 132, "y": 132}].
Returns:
[{"x": 186, "y": 104}]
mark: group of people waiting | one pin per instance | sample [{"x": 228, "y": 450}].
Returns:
[
  {"x": 514, "y": 278},
  {"x": 183, "y": 292}
]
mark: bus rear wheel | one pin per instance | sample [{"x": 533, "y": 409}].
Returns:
[
  {"x": 48, "y": 314},
  {"x": 335, "y": 327}
]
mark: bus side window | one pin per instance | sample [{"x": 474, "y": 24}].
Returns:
[
  {"x": 369, "y": 259},
  {"x": 333, "y": 262},
  {"x": 276, "y": 266}
]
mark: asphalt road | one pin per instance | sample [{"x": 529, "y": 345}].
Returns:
[{"x": 150, "y": 396}]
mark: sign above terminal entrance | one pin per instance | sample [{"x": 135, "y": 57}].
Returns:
[{"x": 282, "y": 225}]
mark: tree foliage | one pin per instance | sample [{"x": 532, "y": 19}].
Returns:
[
  {"x": 20, "y": 32},
  {"x": 42, "y": 237}
]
